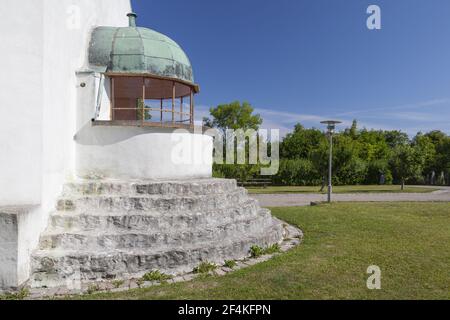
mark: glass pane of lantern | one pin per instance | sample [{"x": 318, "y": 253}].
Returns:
[{"x": 128, "y": 94}]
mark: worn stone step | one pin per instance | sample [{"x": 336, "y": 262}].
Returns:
[
  {"x": 146, "y": 221},
  {"x": 152, "y": 202},
  {"x": 118, "y": 187},
  {"x": 130, "y": 239},
  {"x": 58, "y": 267}
]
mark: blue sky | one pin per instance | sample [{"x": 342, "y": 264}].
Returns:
[{"x": 307, "y": 60}]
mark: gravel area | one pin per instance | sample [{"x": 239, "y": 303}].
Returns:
[{"x": 292, "y": 200}]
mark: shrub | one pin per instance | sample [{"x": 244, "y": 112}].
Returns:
[
  {"x": 297, "y": 172},
  {"x": 374, "y": 170},
  {"x": 353, "y": 172},
  {"x": 240, "y": 172}
]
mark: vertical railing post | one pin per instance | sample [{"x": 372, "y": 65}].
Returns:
[
  {"x": 181, "y": 110},
  {"x": 113, "y": 97},
  {"x": 161, "y": 110},
  {"x": 173, "y": 101},
  {"x": 192, "y": 108}
]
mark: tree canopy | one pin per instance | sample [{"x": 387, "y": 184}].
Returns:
[
  {"x": 360, "y": 156},
  {"x": 233, "y": 116}
]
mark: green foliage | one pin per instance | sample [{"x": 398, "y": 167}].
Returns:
[
  {"x": 118, "y": 283},
  {"x": 20, "y": 295},
  {"x": 297, "y": 172},
  {"x": 256, "y": 251},
  {"x": 407, "y": 163},
  {"x": 140, "y": 105},
  {"x": 241, "y": 172},
  {"x": 275, "y": 248},
  {"x": 233, "y": 116},
  {"x": 205, "y": 267},
  {"x": 301, "y": 142},
  {"x": 374, "y": 170},
  {"x": 156, "y": 275},
  {"x": 230, "y": 264},
  {"x": 352, "y": 171},
  {"x": 360, "y": 156}
]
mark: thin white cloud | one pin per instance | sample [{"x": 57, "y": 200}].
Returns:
[
  {"x": 418, "y": 105},
  {"x": 409, "y": 118}
]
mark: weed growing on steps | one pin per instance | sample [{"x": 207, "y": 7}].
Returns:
[
  {"x": 257, "y": 251},
  {"x": 205, "y": 267},
  {"x": 230, "y": 264},
  {"x": 156, "y": 275},
  {"x": 20, "y": 295},
  {"x": 93, "y": 288},
  {"x": 118, "y": 283}
]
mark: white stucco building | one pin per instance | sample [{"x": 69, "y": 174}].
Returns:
[
  {"x": 48, "y": 99},
  {"x": 91, "y": 108}
]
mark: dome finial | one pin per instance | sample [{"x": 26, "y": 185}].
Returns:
[{"x": 132, "y": 19}]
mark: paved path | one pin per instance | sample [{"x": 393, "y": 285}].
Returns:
[{"x": 304, "y": 199}]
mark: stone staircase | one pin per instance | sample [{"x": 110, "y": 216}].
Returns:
[{"x": 120, "y": 230}]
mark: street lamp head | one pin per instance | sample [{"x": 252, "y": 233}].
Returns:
[{"x": 331, "y": 125}]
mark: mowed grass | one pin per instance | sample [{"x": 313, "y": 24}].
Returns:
[
  {"x": 339, "y": 189},
  {"x": 410, "y": 242}
]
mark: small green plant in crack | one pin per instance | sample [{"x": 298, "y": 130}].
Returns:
[
  {"x": 205, "y": 267},
  {"x": 275, "y": 248},
  {"x": 20, "y": 295},
  {"x": 156, "y": 275},
  {"x": 93, "y": 288},
  {"x": 230, "y": 264},
  {"x": 256, "y": 251},
  {"x": 118, "y": 283}
]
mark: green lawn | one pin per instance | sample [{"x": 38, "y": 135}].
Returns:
[
  {"x": 410, "y": 242},
  {"x": 338, "y": 189}
]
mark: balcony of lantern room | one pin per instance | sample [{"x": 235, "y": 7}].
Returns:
[
  {"x": 142, "y": 100},
  {"x": 137, "y": 93},
  {"x": 146, "y": 77}
]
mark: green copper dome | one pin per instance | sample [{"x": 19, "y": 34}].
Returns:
[{"x": 136, "y": 50}]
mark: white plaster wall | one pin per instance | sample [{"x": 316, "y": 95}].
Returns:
[
  {"x": 67, "y": 28},
  {"x": 21, "y": 101},
  {"x": 44, "y": 42},
  {"x": 143, "y": 153}
]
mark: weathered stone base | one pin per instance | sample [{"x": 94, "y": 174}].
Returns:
[
  {"x": 106, "y": 230},
  {"x": 293, "y": 237}
]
